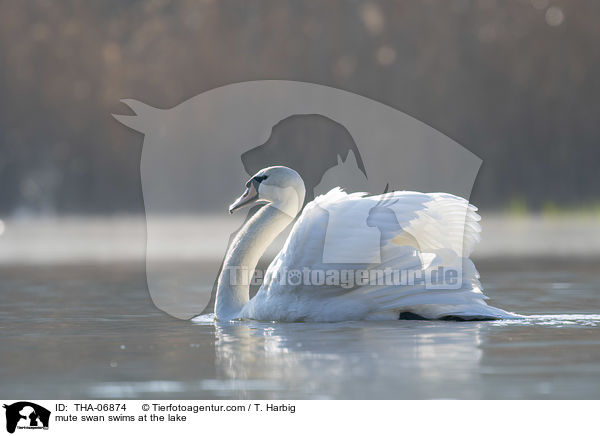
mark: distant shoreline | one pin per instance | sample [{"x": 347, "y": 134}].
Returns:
[{"x": 80, "y": 240}]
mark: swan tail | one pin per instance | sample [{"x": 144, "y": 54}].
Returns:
[
  {"x": 411, "y": 285},
  {"x": 428, "y": 300},
  {"x": 467, "y": 304}
]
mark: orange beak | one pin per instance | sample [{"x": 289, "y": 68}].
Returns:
[{"x": 249, "y": 196}]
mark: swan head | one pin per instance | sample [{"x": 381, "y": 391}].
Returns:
[{"x": 280, "y": 186}]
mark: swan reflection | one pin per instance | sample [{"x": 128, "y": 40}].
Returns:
[{"x": 402, "y": 359}]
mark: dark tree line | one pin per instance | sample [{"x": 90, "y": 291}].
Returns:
[{"x": 516, "y": 82}]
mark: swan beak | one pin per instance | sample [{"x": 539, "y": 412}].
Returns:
[{"x": 248, "y": 197}]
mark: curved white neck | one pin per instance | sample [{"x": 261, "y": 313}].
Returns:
[{"x": 246, "y": 249}]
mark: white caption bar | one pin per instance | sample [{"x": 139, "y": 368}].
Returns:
[{"x": 446, "y": 417}]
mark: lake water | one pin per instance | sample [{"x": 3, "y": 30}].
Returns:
[{"x": 76, "y": 332}]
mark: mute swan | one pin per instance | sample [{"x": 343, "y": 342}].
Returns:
[{"x": 419, "y": 233}]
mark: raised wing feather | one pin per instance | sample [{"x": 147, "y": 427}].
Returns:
[{"x": 413, "y": 232}]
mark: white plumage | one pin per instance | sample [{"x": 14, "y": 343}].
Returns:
[{"x": 417, "y": 233}]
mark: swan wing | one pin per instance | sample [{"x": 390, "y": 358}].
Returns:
[{"x": 314, "y": 277}]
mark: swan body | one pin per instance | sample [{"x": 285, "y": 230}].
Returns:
[{"x": 415, "y": 232}]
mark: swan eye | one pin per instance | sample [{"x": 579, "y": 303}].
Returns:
[{"x": 257, "y": 179}]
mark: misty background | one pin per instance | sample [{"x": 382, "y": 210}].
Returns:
[{"x": 515, "y": 82}]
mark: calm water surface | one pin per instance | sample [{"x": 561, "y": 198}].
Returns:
[{"x": 92, "y": 332}]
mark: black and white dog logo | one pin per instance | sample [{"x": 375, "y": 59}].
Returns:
[{"x": 26, "y": 415}]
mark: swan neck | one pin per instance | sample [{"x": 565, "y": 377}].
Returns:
[{"x": 246, "y": 249}]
